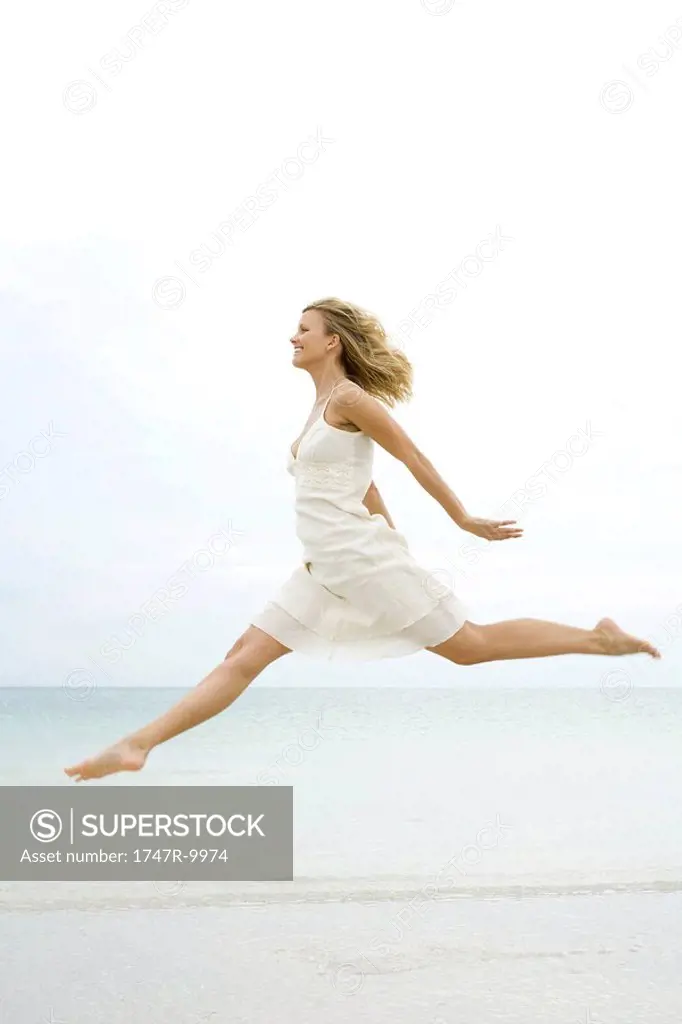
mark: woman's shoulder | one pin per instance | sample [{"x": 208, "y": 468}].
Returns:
[
  {"x": 345, "y": 397},
  {"x": 347, "y": 393}
]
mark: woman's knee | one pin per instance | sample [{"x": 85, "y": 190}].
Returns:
[
  {"x": 465, "y": 647},
  {"x": 254, "y": 650}
]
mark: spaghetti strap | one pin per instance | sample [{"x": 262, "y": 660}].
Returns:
[
  {"x": 318, "y": 418},
  {"x": 331, "y": 393}
]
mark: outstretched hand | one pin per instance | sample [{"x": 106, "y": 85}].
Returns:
[{"x": 492, "y": 529}]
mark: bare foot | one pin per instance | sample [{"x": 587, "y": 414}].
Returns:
[
  {"x": 614, "y": 641},
  {"x": 124, "y": 756}
]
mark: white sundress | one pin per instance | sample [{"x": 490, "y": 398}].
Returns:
[{"x": 359, "y": 593}]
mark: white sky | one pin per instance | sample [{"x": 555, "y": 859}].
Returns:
[{"x": 445, "y": 123}]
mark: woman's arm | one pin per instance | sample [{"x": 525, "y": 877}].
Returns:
[
  {"x": 374, "y": 503},
  {"x": 355, "y": 406}
]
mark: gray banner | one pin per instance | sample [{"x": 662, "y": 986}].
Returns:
[{"x": 146, "y": 833}]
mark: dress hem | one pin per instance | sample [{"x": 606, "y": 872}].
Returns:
[{"x": 300, "y": 638}]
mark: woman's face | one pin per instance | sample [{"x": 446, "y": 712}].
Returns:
[{"x": 310, "y": 342}]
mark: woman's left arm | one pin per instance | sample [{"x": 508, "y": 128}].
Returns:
[{"x": 365, "y": 412}]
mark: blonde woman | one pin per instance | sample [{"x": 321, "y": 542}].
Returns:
[{"x": 359, "y": 593}]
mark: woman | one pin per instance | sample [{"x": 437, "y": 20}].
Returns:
[{"x": 359, "y": 592}]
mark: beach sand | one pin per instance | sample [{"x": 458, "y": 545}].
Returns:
[
  {"x": 610, "y": 958},
  {"x": 568, "y": 912}
]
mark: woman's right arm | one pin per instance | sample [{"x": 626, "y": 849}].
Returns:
[{"x": 374, "y": 503}]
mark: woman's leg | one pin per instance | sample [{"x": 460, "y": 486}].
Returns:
[
  {"x": 253, "y": 651},
  {"x": 536, "y": 638}
]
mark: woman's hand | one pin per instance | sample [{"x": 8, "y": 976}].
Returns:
[{"x": 491, "y": 529}]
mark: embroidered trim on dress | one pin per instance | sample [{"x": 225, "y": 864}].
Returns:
[{"x": 325, "y": 472}]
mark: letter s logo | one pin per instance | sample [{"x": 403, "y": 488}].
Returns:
[{"x": 46, "y": 826}]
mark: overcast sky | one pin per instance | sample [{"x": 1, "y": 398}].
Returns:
[{"x": 179, "y": 180}]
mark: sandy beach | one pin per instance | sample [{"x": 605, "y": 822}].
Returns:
[
  {"x": 569, "y": 959},
  {"x": 460, "y": 858}
]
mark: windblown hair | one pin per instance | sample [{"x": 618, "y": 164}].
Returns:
[{"x": 368, "y": 358}]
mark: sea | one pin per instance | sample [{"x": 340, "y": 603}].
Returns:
[{"x": 556, "y": 811}]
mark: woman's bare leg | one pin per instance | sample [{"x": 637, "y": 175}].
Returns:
[
  {"x": 536, "y": 638},
  {"x": 252, "y": 652}
]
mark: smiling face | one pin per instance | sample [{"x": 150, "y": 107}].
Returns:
[{"x": 310, "y": 343}]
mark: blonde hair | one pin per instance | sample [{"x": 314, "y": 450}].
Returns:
[{"x": 367, "y": 357}]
